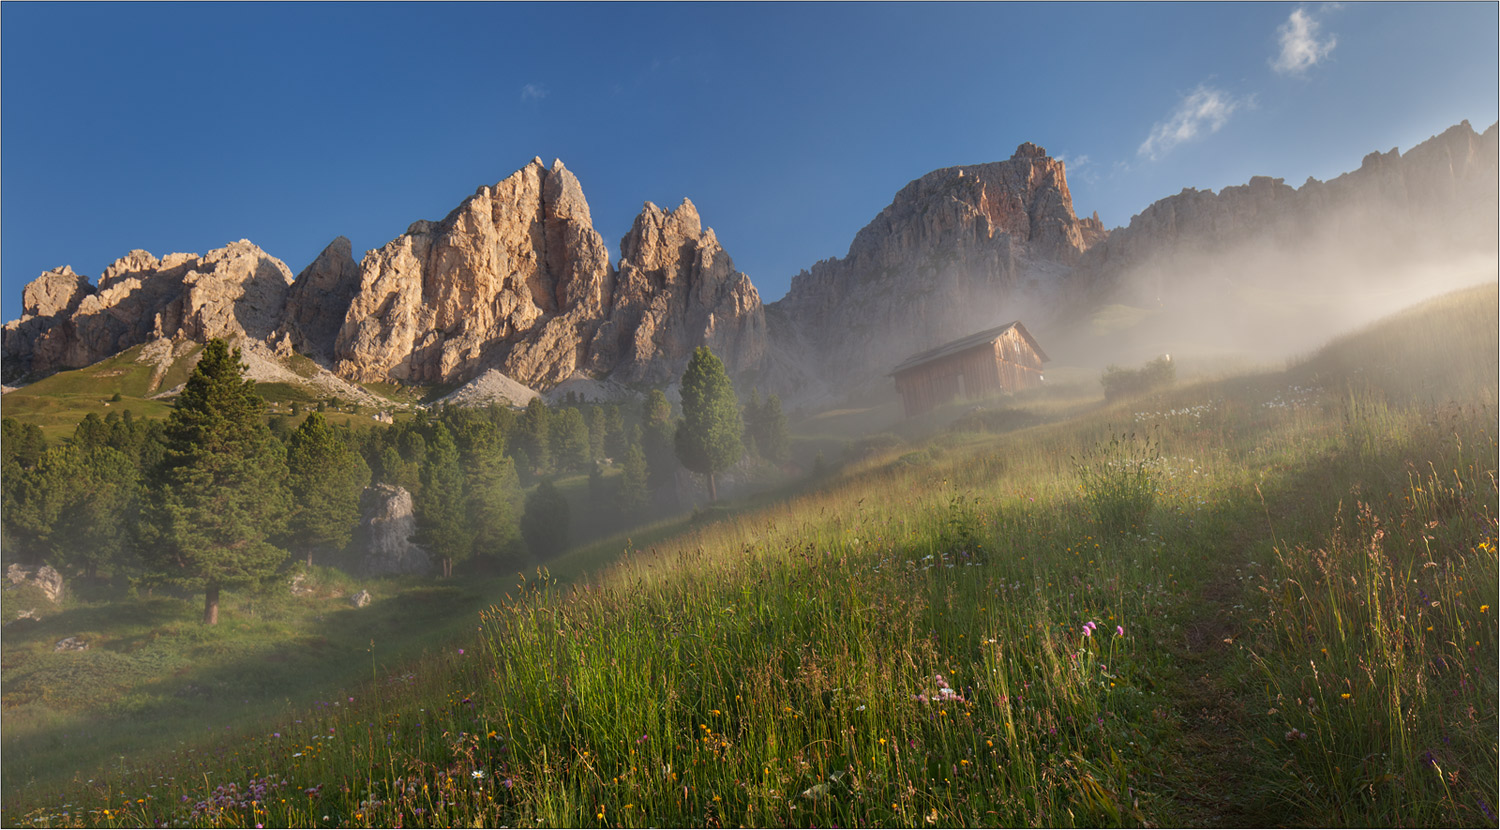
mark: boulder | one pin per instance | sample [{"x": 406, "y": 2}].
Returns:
[
  {"x": 386, "y": 528},
  {"x": 360, "y": 599},
  {"x": 46, "y": 578}
]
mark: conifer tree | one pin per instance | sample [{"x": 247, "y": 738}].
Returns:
[
  {"x": 326, "y": 478},
  {"x": 775, "y": 439},
  {"x": 614, "y": 432},
  {"x": 570, "y": 440},
  {"x": 708, "y": 438},
  {"x": 635, "y": 495},
  {"x": 656, "y": 440},
  {"x": 442, "y": 520},
  {"x": 597, "y": 428},
  {"x": 535, "y": 435},
  {"x": 545, "y": 522},
  {"x": 219, "y": 494},
  {"x": 494, "y": 496}
]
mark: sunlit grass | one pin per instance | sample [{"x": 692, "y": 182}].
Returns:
[{"x": 995, "y": 629}]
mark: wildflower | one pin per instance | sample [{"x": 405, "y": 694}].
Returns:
[
  {"x": 477, "y": 774},
  {"x": 1345, "y": 695},
  {"x": 1484, "y": 609},
  {"x": 1119, "y": 631}
]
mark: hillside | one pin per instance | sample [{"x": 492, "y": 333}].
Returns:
[{"x": 1266, "y": 599}]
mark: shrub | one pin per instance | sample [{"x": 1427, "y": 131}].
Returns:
[
  {"x": 1117, "y": 480},
  {"x": 1119, "y": 382}
]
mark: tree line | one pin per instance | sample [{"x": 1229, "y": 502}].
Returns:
[{"x": 221, "y": 496}]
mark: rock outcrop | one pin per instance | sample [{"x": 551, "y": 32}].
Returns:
[
  {"x": 388, "y": 521},
  {"x": 956, "y": 251},
  {"x": 318, "y": 301},
  {"x": 236, "y": 292},
  {"x": 676, "y": 290},
  {"x": 515, "y": 278}
]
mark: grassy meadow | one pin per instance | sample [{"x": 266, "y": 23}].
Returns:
[{"x": 1263, "y": 600}]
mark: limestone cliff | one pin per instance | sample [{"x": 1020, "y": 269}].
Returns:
[
  {"x": 515, "y": 278},
  {"x": 957, "y": 250},
  {"x": 237, "y": 292},
  {"x": 676, "y": 290}
]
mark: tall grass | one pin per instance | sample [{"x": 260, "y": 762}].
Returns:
[{"x": 1055, "y": 626}]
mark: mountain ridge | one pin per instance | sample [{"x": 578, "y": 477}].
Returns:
[{"x": 516, "y": 279}]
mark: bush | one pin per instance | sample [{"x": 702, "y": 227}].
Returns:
[
  {"x": 1119, "y": 382},
  {"x": 1118, "y": 482}
]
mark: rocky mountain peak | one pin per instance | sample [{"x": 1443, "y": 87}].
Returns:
[{"x": 58, "y": 291}]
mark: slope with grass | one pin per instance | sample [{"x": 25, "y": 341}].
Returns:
[{"x": 1263, "y": 600}]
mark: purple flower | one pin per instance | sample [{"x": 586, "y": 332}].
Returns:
[{"x": 1119, "y": 631}]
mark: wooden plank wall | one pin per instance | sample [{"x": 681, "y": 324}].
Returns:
[{"x": 1006, "y": 364}]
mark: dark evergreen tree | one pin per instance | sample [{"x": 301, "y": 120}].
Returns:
[
  {"x": 656, "y": 440},
  {"x": 442, "y": 519},
  {"x": 23, "y": 443},
  {"x": 635, "y": 493},
  {"x": 219, "y": 495},
  {"x": 545, "y": 522},
  {"x": 614, "y": 432},
  {"x": 708, "y": 438},
  {"x": 326, "y": 478},
  {"x": 535, "y": 435},
  {"x": 494, "y": 496},
  {"x": 774, "y": 439},
  {"x": 81, "y": 507},
  {"x": 570, "y": 441},
  {"x": 598, "y": 426}
]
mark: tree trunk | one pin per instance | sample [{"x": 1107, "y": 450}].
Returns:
[
  {"x": 713, "y": 493},
  {"x": 211, "y": 605},
  {"x": 309, "y": 557},
  {"x": 447, "y": 567}
]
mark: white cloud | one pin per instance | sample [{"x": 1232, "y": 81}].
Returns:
[
  {"x": 1300, "y": 47},
  {"x": 1201, "y": 112},
  {"x": 534, "y": 92}
]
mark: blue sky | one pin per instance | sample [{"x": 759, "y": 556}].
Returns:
[{"x": 181, "y": 127}]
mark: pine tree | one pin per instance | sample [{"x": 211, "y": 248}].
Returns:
[
  {"x": 656, "y": 440},
  {"x": 614, "y": 432},
  {"x": 535, "y": 429},
  {"x": 545, "y": 523},
  {"x": 570, "y": 440},
  {"x": 708, "y": 438},
  {"x": 494, "y": 495},
  {"x": 442, "y": 520},
  {"x": 219, "y": 494},
  {"x": 597, "y": 429},
  {"x": 635, "y": 495},
  {"x": 326, "y": 478},
  {"x": 775, "y": 439}
]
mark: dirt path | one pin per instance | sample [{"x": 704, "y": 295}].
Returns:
[{"x": 1211, "y": 686}]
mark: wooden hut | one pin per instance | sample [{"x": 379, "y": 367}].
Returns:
[{"x": 1004, "y": 359}]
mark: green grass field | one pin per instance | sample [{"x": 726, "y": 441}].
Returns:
[{"x": 1263, "y": 600}]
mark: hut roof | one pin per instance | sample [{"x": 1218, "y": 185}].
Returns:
[{"x": 965, "y": 343}]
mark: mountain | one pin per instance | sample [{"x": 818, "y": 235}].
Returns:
[
  {"x": 237, "y": 292},
  {"x": 516, "y": 280},
  {"x": 954, "y": 252}
]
